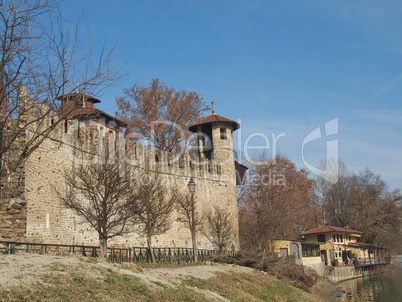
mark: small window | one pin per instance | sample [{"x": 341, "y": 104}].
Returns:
[
  {"x": 321, "y": 238},
  {"x": 92, "y": 135},
  {"x": 310, "y": 250},
  {"x": 223, "y": 133},
  {"x": 337, "y": 238},
  {"x": 341, "y": 238},
  {"x": 333, "y": 236}
]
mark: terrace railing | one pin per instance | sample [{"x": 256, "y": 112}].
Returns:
[{"x": 372, "y": 261}]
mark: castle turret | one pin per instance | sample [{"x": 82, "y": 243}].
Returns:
[
  {"x": 215, "y": 138},
  {"x": 215, "y": 142}
]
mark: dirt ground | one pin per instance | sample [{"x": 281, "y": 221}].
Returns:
[{"x": 26, "y": 269}]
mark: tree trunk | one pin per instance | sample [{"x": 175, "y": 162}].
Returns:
[
  {"x": 149, "y": 243},
  {"x": 103, "y": 247}
]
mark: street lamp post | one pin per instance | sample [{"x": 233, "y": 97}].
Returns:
[{"x": 191, "y": 187}]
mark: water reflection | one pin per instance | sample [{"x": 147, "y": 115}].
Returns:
[{"x": 381, "y": 287}]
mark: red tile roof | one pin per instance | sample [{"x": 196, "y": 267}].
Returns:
[
  {"x": 214, "y": 118},
  {"x": 78, "y": 95},
  {"x": 72, "y": 99},
  {"x": 329, "y": 229},
  {"x": 94, "y": 113}
]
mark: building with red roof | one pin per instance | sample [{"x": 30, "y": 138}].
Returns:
[{"x": 341, "y": 245}]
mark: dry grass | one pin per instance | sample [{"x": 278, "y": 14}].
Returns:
[
  {"x": 71, "y": 279},
  {"x": 284, "y": 270},
  {"x": 110, "y": 286},
  {"x": 249, "y": 287}
]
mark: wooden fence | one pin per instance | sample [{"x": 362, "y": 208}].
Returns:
[{"x": 132, "y": 254}]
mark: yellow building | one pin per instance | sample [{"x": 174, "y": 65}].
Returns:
[
  {"x": 338, "y": 245},
  {"x": 304, "y": 253}
]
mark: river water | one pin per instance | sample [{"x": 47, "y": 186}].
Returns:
[{"x": 385, "y": 287}]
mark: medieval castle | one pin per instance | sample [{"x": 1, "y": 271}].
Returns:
[{"x": 34, "y": 213}]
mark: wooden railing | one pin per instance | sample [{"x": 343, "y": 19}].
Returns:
[
  {"x": 132, "y": 254},
  {"x": 372, "y": 261}
]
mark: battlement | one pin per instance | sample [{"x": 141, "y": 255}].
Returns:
[{"x": 88, "y": 139}]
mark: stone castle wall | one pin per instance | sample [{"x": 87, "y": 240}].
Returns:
[{"x": 50, "y": 222}]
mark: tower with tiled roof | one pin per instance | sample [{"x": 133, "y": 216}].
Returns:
[
  {"x": 215, "y": 137},
  {"x": 215, "y": 143}
]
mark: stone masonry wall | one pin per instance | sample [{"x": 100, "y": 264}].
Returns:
[{"x": 49, "y": 222}]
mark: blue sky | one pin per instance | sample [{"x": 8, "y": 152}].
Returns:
[{"x": 278, "y": 66}]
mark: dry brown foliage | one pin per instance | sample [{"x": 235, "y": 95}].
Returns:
[
  {"x": 161, "y": 114},
  {"x": 277, "y": 203},
  {"x": 363, "y": 202}
]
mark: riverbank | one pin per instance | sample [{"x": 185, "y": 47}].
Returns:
[
  {"x": 39, "y": 277},
  {"x": 379, "y": 285}
]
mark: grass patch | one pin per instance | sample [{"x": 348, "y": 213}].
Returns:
[
  {"x": 248, "y": 287},
  {"x": 109, "y": 286},
  {"x": 284, "y": 270},
  {"x": 160, "y": 284},
  {"x": 145, "y": 264}
]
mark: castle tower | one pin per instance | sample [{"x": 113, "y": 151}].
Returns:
[
  {"x": 215, "y": 139},
  {"x": 215, "y": 142}
]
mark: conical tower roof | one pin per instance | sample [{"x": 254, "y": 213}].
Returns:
[{"x": 214, "y": 118}]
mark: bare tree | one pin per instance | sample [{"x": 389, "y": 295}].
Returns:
[
  {"x": 220, "y": 228},
  {"x": 190, "y": 216},
  {"x": 152, "y": 206},
  {"x": 362, "y": 201},
  {"x": 332, "y": 191},
  {"x": 41, "y": 58},
  {"x": 161, "y": 114},
  {"x": 99, "y": 193}
]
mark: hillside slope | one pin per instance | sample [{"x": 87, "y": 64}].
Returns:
[{"x": 51, "y": 278}]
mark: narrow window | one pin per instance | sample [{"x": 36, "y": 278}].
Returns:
[
  {"x": 92, "y": 135},
  {"x": 341, "y": 238},
  {"x": 223, "y": 133}
]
